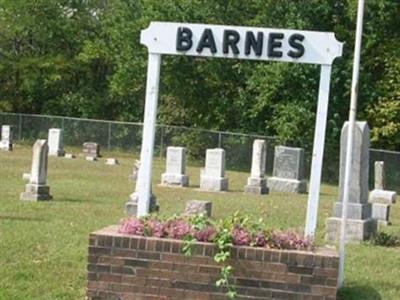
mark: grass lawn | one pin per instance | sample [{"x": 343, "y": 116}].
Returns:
[{"x": 43, "y": 245}]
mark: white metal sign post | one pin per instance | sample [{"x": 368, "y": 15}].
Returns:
[{"x": 268, "y": 44}]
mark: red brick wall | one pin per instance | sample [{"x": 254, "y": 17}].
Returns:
[{"x": 129, "y": 267}]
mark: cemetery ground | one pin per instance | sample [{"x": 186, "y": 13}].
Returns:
[{"x": 43, "y": 245}]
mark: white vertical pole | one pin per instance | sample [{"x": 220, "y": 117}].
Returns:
[
  {"x": 318, "y": 150},
  {"x": 143, "y": 184},
  {"x": 350, "y": 138}
]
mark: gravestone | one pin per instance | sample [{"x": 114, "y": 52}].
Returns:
[
  {"x": 360, "y": 225},
  {"x": 135, "y": 171},
  {"x": 56, "y": 144},
  {"x": 379, "y": 175},
  {"x": 379, "y": 194},
  {"x": 112, "y": 162},
  {"x": 6, "y": 142},
  {"x": 91, "y": 149},
  {"x": 37, "y": 189},
  {"x": 288, "y": 173},
  {"x": 212, "y": 177},
  {"x": 381, "y": 213},
  {"x": 70, "y": 155},
  {"x": 131, "y": 206},
  {"x": 196, "y": 207},
  {"x": 380, "y": 198},
  {"x": 91, "y": 158},
  {"x": 256, "y": 183},
  {"x": 175, "y": 173}
]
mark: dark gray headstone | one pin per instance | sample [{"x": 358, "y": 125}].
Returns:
[
  {"x": 91, "y": 149},
  {"x": 289, "y": 163}
]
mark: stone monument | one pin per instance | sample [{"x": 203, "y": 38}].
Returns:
[
  {"x": 56, "y": 144},
  {"x": 195, "y": 207},
  {"x": 360, "y": 224},
  {"x": 131, "y": 206},
  {"x": 379, "y": 194},
  {"x": 288, "y": 173},
  {"x": 380, "y": 198},
  {"x": 6, "y": 142},
  {"x": 37, "y": 189},
  {"x": 112, "y": 161},
  {"x": 175, "y": 173},
  {"x": 256, "y": 183},
  {"x": 212, "y": 177},
  {"x": 91, "y": 149}
]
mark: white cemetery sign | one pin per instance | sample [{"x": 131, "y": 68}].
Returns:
[{"x": 221, "y": 41}]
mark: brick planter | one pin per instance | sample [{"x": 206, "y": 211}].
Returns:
[{"x": 126, "y": 267}]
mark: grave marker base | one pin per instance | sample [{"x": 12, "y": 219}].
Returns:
[
  {"x": 277, "y": 184},
  {"x": 57, "y": 153},
  {"x": 35, "y": 192},
  {"x": 257, "y": 186},
  {"x": 356, "y": 230},
  {"x": 170, "y": 179},
  {"x": 361, "y": 211},
  {"x": 131, "y": 206},
  {"x": 6, "y": 146},
  {"x": 213, "y": 184}
]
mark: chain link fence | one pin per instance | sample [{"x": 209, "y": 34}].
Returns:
[{"x": 127, "y": 136}]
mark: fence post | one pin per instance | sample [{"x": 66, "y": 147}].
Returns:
[
  {"x": 19, "y": 126},
  {"x": 219, "y": 139},
  {"x": 62, "y": 123},
  {"x": 109, "y": 136}
]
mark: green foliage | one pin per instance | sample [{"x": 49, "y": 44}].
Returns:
[
  {"x": 84, "y": 59},
  {"x": 385, "y": 239}
]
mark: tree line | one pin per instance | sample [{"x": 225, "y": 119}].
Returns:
[{"x": 83, "y": 58}]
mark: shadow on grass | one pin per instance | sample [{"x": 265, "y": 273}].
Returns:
[
  {"x": 15, "y": 218},
  {"x": 74, "y": 200},
  {"x": 357, "y": 292}
]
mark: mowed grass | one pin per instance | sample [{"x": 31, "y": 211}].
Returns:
[{"x": 43, "y": 245}]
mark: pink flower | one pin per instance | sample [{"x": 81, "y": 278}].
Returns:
[
  {"x": 290, "y": 241},
  {"x": 241, "y": 237},
  {"x": 177, "y": 229},
  {"x": 155, "y": 228},
  {"x": 260, "y": 240},
  {"x": 205, "y": 235},
  {"x": 132, "y": 226}
]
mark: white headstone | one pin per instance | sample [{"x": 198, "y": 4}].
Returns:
[
  {"x": 6, "y": 142},
  {"x": 175, "y": 168},
  {"x": 215, "y": 163},
  {"x": 91, "y": 158},
  {"x": 112, "y": 161},
  {"x": 256, "y": 183},
  {"x": 176, "y": 157},
  {"x": 379, "y": 175},
  {"x": 212, "y": 178},
  {"x": 259, "y": 159},
  {"x": 56, "y": 145},
  {"x": 37, "y": 189}
]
